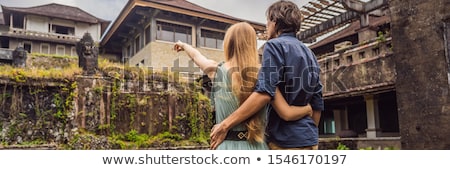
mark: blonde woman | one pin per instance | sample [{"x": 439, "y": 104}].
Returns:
[{"x": 233, "y": 81}]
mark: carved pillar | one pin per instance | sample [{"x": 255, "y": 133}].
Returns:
[{"x": 373, "y": 121}]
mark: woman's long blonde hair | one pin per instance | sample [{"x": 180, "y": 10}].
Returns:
[{"x": 240, "y": 49}]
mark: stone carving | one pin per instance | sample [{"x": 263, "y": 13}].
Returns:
[
  {"x": 19, "y": 57},
  {"x": 87, "y": 55}
]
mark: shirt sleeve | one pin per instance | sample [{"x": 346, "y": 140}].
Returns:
[
  {"x": 317, "y": 100},
  {"x": 271, "y": 69}
]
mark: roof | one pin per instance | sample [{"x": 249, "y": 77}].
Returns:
[
  {"x": 183, "y": 4},
  {"x": 177, "y": 6},
  {"x": 350, "y": 30},
  {"x": 57, "y": 11}
]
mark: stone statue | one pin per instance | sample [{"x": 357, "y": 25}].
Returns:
[
  {"x": 19, "y": 56},
  {"x": 87, "y": 55}
]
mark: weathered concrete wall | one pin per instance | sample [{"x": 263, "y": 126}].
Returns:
[
  {"x": 149, "y": 106},
  {"x": 422, "y": 84},
  {"x": 358, "y": 70},
  {"x": 35, "y": 111},
  {"x": 160, "y": 55},
  {"x": 104, "y": 112}
]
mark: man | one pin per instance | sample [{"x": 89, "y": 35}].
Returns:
[{"x": 292, "y": 67}]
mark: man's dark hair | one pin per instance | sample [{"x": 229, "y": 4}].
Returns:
[{"x": 286, "y": 15}]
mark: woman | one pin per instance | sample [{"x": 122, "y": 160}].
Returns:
[{"x": 234, "y": 80}]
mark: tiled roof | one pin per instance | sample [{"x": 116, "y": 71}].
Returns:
[
  {"x": 350, "y": 30},
  {"x": 57, "y": 11},
  {"x": 182, "y": 7},
  {"x": 183, "y": 4},
  {"x": 191, "y": 6}
]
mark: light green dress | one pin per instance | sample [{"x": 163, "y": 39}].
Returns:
[{"x": 225, "y": 103}]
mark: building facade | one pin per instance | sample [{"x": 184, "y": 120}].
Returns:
[
  {"x": 145, "y": 31},
  {"x": 385, "y": 78},
  {"x": 48, "y": 29}
]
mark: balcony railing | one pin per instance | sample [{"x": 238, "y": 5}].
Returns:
[
  {"x": 18, "y": 31},
  {"x": 6, "y": 54},
  {"x": 356, "y": 54}
]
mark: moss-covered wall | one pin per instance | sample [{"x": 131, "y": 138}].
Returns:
[
  {"x": 118, "y": 108},
  {"x": 35, "y": 111}
]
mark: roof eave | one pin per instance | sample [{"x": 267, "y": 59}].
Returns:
[{"x": 132, "y": 4}]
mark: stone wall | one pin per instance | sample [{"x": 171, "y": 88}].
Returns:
[
  {"x": 35, "y": 111},
  {"x": 422, "y": 72},
  {"x": 120, "y": 110}
]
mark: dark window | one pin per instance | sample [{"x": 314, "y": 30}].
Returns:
[
  {"x": 357, "y": 117},
  {"x": 18, "y": 21},
  {"x": 337, "y": 63},
  {"x": 147, "y": 35},
  {"x": 27, "y": 47},
  {"x": 63, "y": 30},
  {"x": 173, "y": 32},
  {"x": 375, "y": 51},
  {"x": 389, "y": 46},
  {"x": 388, "y": 115},
  {"x": 137, "y": 44},
  {"x": 130, "y": 51},
  {"x": 362, "y": 55},
  {"x": 211, "y": 39},
  {"x": 349, "y": 59}
]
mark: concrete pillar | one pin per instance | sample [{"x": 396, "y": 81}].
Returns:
[
  {"x": 423, "y": 96},
  {"x": 373, "y": 121},
  {"x": 11, "y": 19},
  {"x": 340, "y": 120},
  {"x": 366, "y": 34}
]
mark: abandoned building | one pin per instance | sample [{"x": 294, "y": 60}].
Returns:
[
  {"x": 374, "y": 94},
  {"x": 47, "y": 29},
  {"x": 145, "y": 30},
  {"x": 385, "y": 69}
]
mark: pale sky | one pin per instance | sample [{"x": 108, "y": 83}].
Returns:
[{"x": 252, "y": 10}]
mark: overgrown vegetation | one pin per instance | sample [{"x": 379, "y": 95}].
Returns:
[
  {"x": 51, "y": 107},
  {"x": 53, "y": 56},
  {"x": 344, "y": 147},
  {"x": 21, "y": 75}
]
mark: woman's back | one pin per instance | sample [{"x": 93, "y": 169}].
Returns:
[{"x": 225, "y": 102}]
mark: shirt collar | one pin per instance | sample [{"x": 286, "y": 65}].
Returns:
[{"x": 287, "y": 34}]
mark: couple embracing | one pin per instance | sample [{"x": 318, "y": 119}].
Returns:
[{"x": 274, "y": 103}]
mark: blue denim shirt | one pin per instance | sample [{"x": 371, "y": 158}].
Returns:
[{"x": 289, "y": 64}]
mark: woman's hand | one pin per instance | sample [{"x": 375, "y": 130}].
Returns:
[
  {"x": 179, "y": 46},
  {"x": 289, "y": 112}
]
